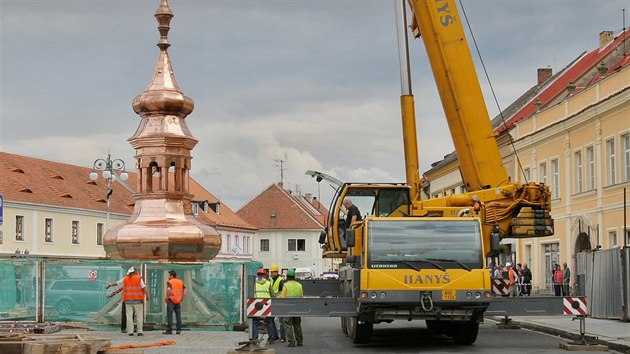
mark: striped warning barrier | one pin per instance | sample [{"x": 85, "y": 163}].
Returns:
[
  {"x": 574, "y": 305},
  {"x": 500, "y": 286},
  {"x": 258, "y": 307}
]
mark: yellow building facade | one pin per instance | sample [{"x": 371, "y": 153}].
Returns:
[{"x": 577, "y": 141}]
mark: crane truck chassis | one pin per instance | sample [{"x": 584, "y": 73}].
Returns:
[{"x": 425, "y": 259}]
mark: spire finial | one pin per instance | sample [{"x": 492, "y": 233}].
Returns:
[{"x": 164, "y": 16}]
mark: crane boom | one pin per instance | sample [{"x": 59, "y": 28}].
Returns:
[{"x": 438, "y": 23}]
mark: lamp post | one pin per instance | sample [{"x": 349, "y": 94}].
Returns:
[{"x": 109, "y": 167}]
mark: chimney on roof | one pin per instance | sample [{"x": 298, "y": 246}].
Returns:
[
  {"x": 309, "y": 197},
  {"x": 605, "y": 37},
  {"x": 544, "y": 74},
  {"x": 281, "y": 185}
]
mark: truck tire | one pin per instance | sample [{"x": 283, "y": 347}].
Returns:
[
  {"x": 465, "y": 333},
  {"x": 359, "y": 332}
]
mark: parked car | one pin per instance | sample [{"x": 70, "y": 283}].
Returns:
[{"x": 72, "y": 295}]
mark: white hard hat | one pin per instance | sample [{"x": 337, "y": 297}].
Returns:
[
  {"x": 508, "y": 264},
  {"x": 131, "y": 270}
]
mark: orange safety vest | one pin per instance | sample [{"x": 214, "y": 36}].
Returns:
[
  {"x": 132, "y": 288},
  {"x": 512, "y": 276},
  {"x": 176, "y": 295}
]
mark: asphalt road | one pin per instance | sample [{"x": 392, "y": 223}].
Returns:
[{"x": 323, "y": 335}]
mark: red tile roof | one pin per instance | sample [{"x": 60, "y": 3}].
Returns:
[
  {"x": 584, "y": 65},
  {"x": 30, "y": 180},
  {"x": 276, "y": 208}
]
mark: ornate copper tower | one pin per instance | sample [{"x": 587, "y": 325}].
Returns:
[{"x": 162, "y": 225}]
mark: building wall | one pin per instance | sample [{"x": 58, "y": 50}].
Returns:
[
  {"x": 236, "y": 245},
  {"x": 568, "y": 132},
  {"x": 583, "y": 121},
  {"x": 34, "y": 224},
  {"x": 280, "y": 255}
]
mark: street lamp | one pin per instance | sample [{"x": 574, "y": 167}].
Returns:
[{"x": 109, "y": 167}]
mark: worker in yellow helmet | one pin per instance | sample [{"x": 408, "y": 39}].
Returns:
[{"x": 276, "y": 284}]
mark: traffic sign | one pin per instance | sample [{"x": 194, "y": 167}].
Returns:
[
  {"x": 574, "y": 305},
  {"x": 258, "y": 307},
  {"x": 92, "y": 275}
]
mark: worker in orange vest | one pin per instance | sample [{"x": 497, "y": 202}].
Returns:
[
  {"x": 134, "y": 293},
  {"x": 175, "y": 291}
]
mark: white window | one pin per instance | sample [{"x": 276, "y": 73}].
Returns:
[
  {"x": 590, "y": 168},
  {"x": 555, "y": 175},
  {"x": 612, "y": 238},
  {"x": 19, "y": 228},
  {"x": 264, "y": 245},
  {"x": 625, "y": 141},
  {"x": 228, "y": 248},
  {"x": 195, "y": 208},
  {"x": 526, "y": 174},
  {"x": 610, "y": 162},
  {"x": 577, "y": 164},
  {"x": 296, "y": 244},
  {"x": 542, "y": 173},
  {"x": 48, "y": 230},
  {"x": 99, "y": 233},
  {"x": 75, "y": 232}
]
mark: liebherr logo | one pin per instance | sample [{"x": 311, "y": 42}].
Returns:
[
  {"x": 444, "y": 13},
  {"x": 427, "y": 279}
]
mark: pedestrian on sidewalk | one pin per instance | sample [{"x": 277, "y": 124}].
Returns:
[
  {"x": 294, "y": 324},
  {"x": 512, "y": 279},
  {"x": 566, "y": 280},
  {"x": 556, "y": 279},
  {"x": 175, "y": 291},
  {"x": 134, "y": 293},
  {"x": 527, "y": 280}
]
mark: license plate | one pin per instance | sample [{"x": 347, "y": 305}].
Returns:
[{"x": 449, "y": 295}]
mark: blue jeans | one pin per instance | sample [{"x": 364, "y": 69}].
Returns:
[
  {"x": 170, "y": 307},
  {"x": 271, "y": 328}
]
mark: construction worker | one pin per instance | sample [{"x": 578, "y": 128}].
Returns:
[
  {"x": 175, "y": 291},
  {"x": 276, "y": 283},
  {"x": 263, "y": 291},
  {"x": 294, "y": 324},
  {"x": 134, "y": 293}
]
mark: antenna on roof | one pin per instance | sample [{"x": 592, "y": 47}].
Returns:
[{"x": 280, "y": 164}]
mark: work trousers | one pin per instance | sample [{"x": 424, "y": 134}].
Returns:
[
  {"x": 170, "y": 307},
  {"x": 294, "y": 329},
  {"x": 271, "y": 328},
  {"x": 283, "y": 329},
  {"x": 138, "y": 310}
]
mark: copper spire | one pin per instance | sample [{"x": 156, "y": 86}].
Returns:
[{"x": 162, "y": 225}]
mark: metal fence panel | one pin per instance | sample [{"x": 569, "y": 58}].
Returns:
[
  {"x": 74, "y": 290},
  {"x": 603, "y": 283}
]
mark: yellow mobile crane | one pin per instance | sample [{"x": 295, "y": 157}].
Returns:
[{"x": 415, "y": 258}]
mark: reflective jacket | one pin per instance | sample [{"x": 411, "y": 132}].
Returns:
[
  {"x": 262, "y": 289},
  {"x": 176, "y": 293},
  {"x": 277, "y": 283},
  {"x": 292, "y": 288},
  {"x": 132, "y": 288}
]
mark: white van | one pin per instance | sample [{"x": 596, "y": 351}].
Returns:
[{"x": 303, "y": 273}]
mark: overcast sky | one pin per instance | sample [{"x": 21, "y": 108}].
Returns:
[{"x": 313, "y": 83}]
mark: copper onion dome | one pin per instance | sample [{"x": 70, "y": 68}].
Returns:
[{"x": 162, "y": 225}]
